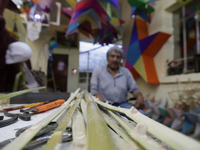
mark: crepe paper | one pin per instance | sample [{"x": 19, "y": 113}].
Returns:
[
  {"x": 197, "y": 127},
  {"x": 113, "y": 2},
  {"x": 141, "y": 8},
  {"x": 189, "y": 123},
  {"x": 91, "y": 12},
  {"x": 84, "y": 32},
  {"x": 106, "y": 7},
  {"x": 188, "y": 127},
  {"x": 197, "y": 110},
  {"x": 149, "y": 112},
  {"x": 116, "y": 22},
  {"x": 141, "y": 5},
  {"x": 114, "y": 14},
  {"x": 86, "y": 25},
  {"x": 192, "y": 118},
  {"x": 171, "y": 113},
  {"x": 52, "y": 45},
  {"x": 83, "y": 19},
  {"x": 177, "y": 124},
  {"x": 197, "y": 130},
  {"x": 178, "y": 121},
  {"x": 142, "y": 49},
  {"x": 163, "y": 103},
  {"x": 167, "y": 121},
  {"x": 73, "y": 27},
  {"x": 184, "y": 1},
  {"x": 99, "y": 25},
  {"x": 87, "y": 4},
  {"x": 163, "y": 112},
  {"x": 72, "y": 3},
  {"x": 67, "y": 12},
  {"x": 135, "y": 12}
]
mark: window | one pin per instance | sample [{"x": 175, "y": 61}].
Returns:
[
  {"x": 91, "y": 56},
  {"x": 186, "y": 23}
]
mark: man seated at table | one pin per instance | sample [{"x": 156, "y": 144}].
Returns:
[{"x": 112, "y": 82}]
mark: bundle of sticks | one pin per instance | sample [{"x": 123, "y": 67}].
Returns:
[{"x": 99, "y": 126}]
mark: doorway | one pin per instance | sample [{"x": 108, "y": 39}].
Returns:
[{"x": 59, "y": 71}]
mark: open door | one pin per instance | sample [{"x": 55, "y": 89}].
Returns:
[{"x": 59, "y": 72}]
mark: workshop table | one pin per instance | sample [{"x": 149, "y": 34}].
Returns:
[{"x": 9, "y": 131}]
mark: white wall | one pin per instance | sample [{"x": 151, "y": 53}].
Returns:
[
  {"x": 161, "y": 21},
  {"x": 40, "y": 52},
  {"x": 11, "y": 18}
]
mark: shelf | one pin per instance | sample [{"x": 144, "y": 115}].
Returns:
[{"x": 193, "y": 77}]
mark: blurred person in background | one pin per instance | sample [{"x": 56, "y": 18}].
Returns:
[{"x": 112, "y": 82}]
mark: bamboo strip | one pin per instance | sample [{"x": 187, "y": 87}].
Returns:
[
  {"x": 173, "y": 138},
  {"x": 79, "y": 131},
  {"x": 138, "y": 135},
  {"x": 121, "y": 132},
  {"x": 13, "y": 94},
  {"x": 84, "y": 109},
  {"x": 119, "y": 142},
  {"x": 98, "y": 136},
  {"x": 56, "y": 137}
]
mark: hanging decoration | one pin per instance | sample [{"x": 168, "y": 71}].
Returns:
[
  {"x": 67, "y": 12},
  {"x": 141, "y": 51},
  {"x": 141, "y": 8},
  {"x": 39, "y": 10},
  {"x": 93, "y": 18}
]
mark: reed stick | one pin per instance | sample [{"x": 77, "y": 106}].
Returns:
[
  {"x": 13, "y": 94},
  {"x": 98, "y": 136},
  {"x": 172, "y": 138},
  {"x": 56, "y": 137}
]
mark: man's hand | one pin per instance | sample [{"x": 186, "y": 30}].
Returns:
[
  {"x": 97, "y": 95},
  {"x": 139, "y": 104}
]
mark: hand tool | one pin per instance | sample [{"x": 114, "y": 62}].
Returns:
[
  {"x": 24, "y": 116},
  {"x": 42, "y": 137},
  {"x": 1, "y": 117},
  {"x": 46, "y": 130},
  {"x": 28, "y": 105},
  {"x": 7, "y": 122},
  {"x": 20, "y": 107},
  {"x": 44, "y": 107}
]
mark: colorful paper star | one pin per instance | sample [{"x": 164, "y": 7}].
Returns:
[
  {"x": 141, "y": 8},
  {"x": 67, "y": 12},
  {"x": 94, "y": 18},
  {"x": 141, "y": 50},
  {"x": 113, "y": 2}
]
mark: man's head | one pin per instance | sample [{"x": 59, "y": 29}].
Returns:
[{"x": 114, "y": 56}]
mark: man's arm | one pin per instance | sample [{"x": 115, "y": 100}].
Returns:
[
  {"x": 94, "y": 84},
  {"x": 139, "y": 104},
  {"x": 132, "y": 88},
  {"x": 97, "y": 95}
]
